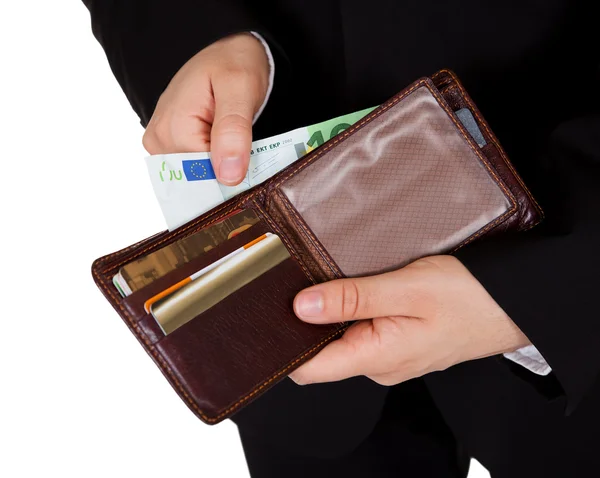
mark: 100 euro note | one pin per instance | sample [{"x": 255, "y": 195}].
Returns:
[{"x": 185, "y": 183}]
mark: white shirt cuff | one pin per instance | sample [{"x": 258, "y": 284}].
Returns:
[
  {"x": 271, "y": 75},
  {"x": 530, "y": 358}
]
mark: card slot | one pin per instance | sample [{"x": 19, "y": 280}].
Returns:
[
  {"x": 456, "y": 101},
  {"x": 134, "y": 303},
  {"x": 457, "y": 98},
  {"x": 245, "y": 343},
  {"x": 104, "y": 268}
]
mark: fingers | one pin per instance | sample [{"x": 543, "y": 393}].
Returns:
[
  {"x": 177, "y": 134},
  {"x": 218, "y": 120},
  {"x": 344, "y": 300},
  {"x": 182, "y": 118},
  {"x": 210, "y": 104},
  {"x": 237, "y": 98}
]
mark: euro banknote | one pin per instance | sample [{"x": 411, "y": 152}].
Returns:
[{"x": 185, "y": 184}]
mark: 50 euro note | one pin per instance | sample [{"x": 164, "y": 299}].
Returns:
[{"x": 185, "y": 184}]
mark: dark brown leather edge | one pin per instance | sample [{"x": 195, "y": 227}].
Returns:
[
  {"x": 529, "y": 211},
  {"x": 148, "y": 343},
  {"x": 105, "y": 267},
  {"x": 322, "y": 264}
]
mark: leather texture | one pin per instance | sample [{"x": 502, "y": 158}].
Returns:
[{"x": 427, "y": 191}]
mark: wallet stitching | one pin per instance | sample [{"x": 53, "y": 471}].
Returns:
[
  {"x": 439, "y": 73},
  {"x": 494, "y": 140},
  {"x": 499, "y": 220},
  {"x": 153, "y": 350},
  {"x": 341, "y": 328},
  {"x": 304, "y": 228},
  {"x": 286, "y": 240},
  {"x": 486, "y": 163},
  {"x": 278, "y": 216},
  {"x": 466, "y": 137},
  {"x": 165, "y": 365}
]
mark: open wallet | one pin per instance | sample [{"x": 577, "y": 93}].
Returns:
[{"x": 422, "y": 174}]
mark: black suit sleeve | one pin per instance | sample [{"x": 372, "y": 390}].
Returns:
[
  {"x": 548, "y": 280},
  {"x": 148, "y": 41}
]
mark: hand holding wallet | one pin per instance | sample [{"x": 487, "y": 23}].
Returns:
[{"x": 407, "y": 181}]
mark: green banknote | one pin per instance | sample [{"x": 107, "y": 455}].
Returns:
[{"x": 185, "y": 184}]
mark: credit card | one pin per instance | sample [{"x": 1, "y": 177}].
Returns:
[
  {"x": 468, "y": 120},
  {"x": 138, "y": 274},
  {"x": 171, "y": 289},
  {"x": 209, "y": 289}
]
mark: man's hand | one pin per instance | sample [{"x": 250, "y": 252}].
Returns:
[
  {"x": 426, "y": 317},
  {"x": 210, "y": 103}
]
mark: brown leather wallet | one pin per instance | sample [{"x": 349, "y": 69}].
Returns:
[{"x": 406, "y": 181}]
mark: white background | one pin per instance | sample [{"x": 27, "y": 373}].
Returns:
[{"x": 79, "y": 397}]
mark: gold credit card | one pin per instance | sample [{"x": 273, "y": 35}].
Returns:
[
  {"x": 144, "y": 271},
  {"x": 209, "y": 289}
]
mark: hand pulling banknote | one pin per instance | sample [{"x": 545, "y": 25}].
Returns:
[{"x": 185, "y": 184}]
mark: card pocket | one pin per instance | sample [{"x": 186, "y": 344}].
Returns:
[
  {"x": 407, "y": 184},
  {"x": 240, "y": 346},
  {"x": 135, "y": 302},
  {"x": 245, "y": 343}
]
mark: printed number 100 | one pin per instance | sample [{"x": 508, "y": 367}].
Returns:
[{"x": 317, "y": 139}]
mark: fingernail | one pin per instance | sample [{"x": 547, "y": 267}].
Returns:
[
  {"x": 309, "y": 304},
  {"x": 231, "y": 169}
]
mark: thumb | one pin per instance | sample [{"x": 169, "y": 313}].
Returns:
[
  {"x": 346, "y": 357},
  {"x": 237, "y": 98},
  {"x": 343, "y": 300}
]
